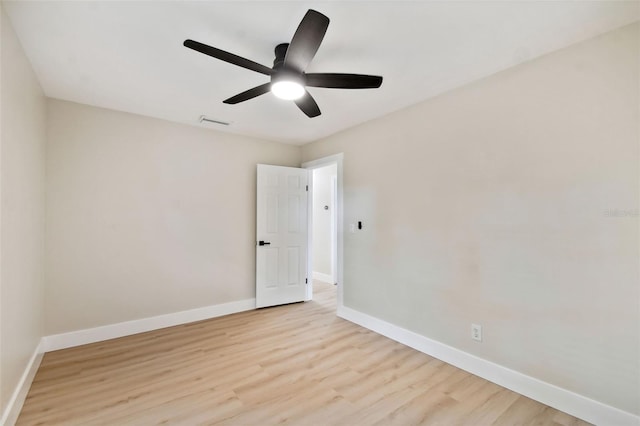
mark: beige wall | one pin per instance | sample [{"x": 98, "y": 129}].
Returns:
[
  {"x": 495, "y": 204},
  {"x": 322, "y": 182},
  {"x": 147, "y": 217},
  {"x": 22, "y": 148}
]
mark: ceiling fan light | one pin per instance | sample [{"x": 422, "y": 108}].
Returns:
[{"x": 286, "y": 89}]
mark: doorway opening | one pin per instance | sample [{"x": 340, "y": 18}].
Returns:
[{"x": 325, "y": 224}]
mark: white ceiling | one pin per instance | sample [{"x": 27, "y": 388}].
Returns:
[{"x": 128, "y": 55}]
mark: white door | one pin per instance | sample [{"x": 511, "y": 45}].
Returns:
[{"x": 281, "y": 235}]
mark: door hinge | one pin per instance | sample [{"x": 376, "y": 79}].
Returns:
[
  {"x": 307, "y": 188},
  {"x": 306, "y": 281}
]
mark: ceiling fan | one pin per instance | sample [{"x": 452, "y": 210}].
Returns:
[{"x": 288, "y": 77}]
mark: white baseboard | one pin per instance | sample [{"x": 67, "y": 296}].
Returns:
[
  {"x": 546, "y": 393},
  {"x": 12, "y": 411},
  {"x": 98, "y": 334},
  {"x": 325, "y": 278}
]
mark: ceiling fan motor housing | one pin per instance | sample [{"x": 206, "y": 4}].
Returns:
[
  {"x": 281, "y": 52},
  {"x": 282, "y": 73}
]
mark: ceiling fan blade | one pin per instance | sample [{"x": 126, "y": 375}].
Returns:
[
  {"x": 306, "y": 40},
  {"x": 308, "y": 105},
  {"x": 344, "y": 81},
  {"x": 227, "y": 57},
  {"x": 249, "y": 94}
]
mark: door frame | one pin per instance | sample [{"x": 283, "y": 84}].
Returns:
[
  {"x": 336, "y": 159},
  {"x": 334, "y": 229}
]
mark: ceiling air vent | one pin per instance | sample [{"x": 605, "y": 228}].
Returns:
[{"x": 211, "y": 120}]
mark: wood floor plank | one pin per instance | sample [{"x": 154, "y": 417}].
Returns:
[{"x": 297, "y": 364}]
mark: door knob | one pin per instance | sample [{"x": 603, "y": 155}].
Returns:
[{"x": 263, "y": 243}]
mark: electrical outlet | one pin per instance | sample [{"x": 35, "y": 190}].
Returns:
[{"x": 476, "y": 332}]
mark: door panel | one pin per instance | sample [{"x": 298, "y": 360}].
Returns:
[{"x": 281, "y": 210}]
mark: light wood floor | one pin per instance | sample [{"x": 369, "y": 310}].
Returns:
[{"x": 296, "y": 364}]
